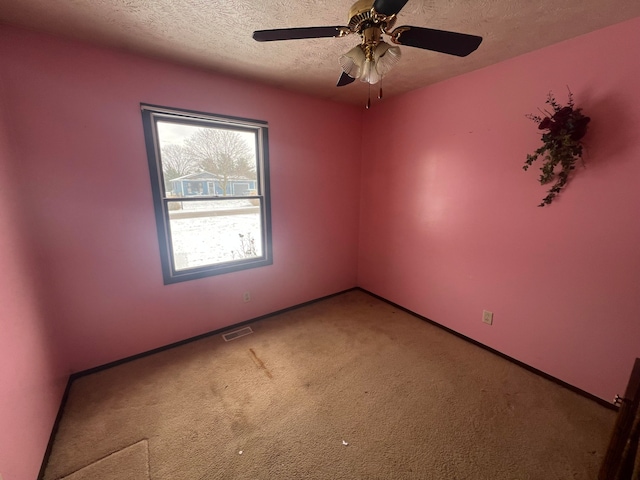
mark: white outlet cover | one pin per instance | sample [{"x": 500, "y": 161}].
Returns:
[{"x": 487, "y": 317}]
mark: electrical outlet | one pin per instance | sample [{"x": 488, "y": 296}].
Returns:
[
  {"x": 487, "y": 317},
  {"x": 246, "y": 297}
]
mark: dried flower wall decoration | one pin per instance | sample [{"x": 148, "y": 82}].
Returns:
[{"x": 561, "y": 144}]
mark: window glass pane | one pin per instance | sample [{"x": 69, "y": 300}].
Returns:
[
  {"x": 200, "y": 160},
  {"x": 214, "y": 231},
  {"x": 210, "y": 185}
]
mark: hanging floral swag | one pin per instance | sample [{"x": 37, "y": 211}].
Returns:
[{"x": 561, "y": 146}]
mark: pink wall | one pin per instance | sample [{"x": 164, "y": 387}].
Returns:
[
  {"x": 83, "y": 162},
  {"x": 449, "y": 222},
  {"x": 31, "y": 378},
  {"x": 84, "y": 190}
]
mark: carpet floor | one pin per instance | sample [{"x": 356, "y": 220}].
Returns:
[{"x": 349, "y": 387}]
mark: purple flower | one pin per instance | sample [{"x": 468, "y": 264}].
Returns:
[
  {"x": 563, "y": 114},
  {"x": 580, "y": 128},
  {"x": 545, "y": 123}
]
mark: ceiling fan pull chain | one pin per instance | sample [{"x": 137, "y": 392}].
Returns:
[
  {"x": 380, "y": 92},
  {"x": 369, "y": 98}
]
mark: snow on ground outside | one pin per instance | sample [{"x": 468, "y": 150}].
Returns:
[{"x": 206, "y": 240}]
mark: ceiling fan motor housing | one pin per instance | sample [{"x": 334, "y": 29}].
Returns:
[
  {"x": 361, "y": 17},
  {"x": 359, "y": 13}
]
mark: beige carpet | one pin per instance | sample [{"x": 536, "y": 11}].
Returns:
[
  {"x": 346, "y": 388},
  {"x": 130, "y": 463}
]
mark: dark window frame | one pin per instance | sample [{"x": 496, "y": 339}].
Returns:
[{"x": 151, "y": 114}]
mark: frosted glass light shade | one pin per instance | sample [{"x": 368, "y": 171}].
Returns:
[
  {"x": 370, "y": 70},
  {"x": 353, "y": 61},
  {"x": 385, "y": 57},
  {"x": 370, "y": 73}
]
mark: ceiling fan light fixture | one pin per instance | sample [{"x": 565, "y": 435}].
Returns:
[
  {"x": 353, "y": 61},
  {"x": 379, "y": 62},
  {"x": 370, "y": 73},
  {"x": 385, "y": 57}
]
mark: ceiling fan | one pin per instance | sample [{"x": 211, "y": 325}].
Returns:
[{"x": 370, "y": 60}]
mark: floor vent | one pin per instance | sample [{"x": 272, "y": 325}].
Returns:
[{"x": 237, "y": 334}]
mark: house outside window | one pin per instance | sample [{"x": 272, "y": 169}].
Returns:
[{"x": 210, "y": 185}]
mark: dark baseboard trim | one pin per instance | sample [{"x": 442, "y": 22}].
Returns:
[
  {"x": 115, "y": 363},
  {"x": 201, "y": 336},
  {"x": 545, "y": 375},
  {"x": 54, "y": 430}
]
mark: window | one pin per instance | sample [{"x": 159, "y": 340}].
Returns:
[{"x": 210, "y": 185}]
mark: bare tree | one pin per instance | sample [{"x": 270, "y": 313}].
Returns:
[
  {"x": 221, "y": 152},
  {"x": 176, "y": 162}
]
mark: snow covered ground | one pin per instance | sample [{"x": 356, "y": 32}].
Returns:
[{"x": 203, "y": 240}]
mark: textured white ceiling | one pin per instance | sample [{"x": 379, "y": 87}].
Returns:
[{"x": 216, "y": 34}]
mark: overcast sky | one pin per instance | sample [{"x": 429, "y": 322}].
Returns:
[{"x": 176, "y": 133}]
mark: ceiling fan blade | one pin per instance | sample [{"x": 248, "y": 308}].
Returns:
[
  {"x": 389, "y": 7},
  {"x": 345, "y": 80},
  {"x": 297, "y": 33},
  {"x": 452, "y": 43}
]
